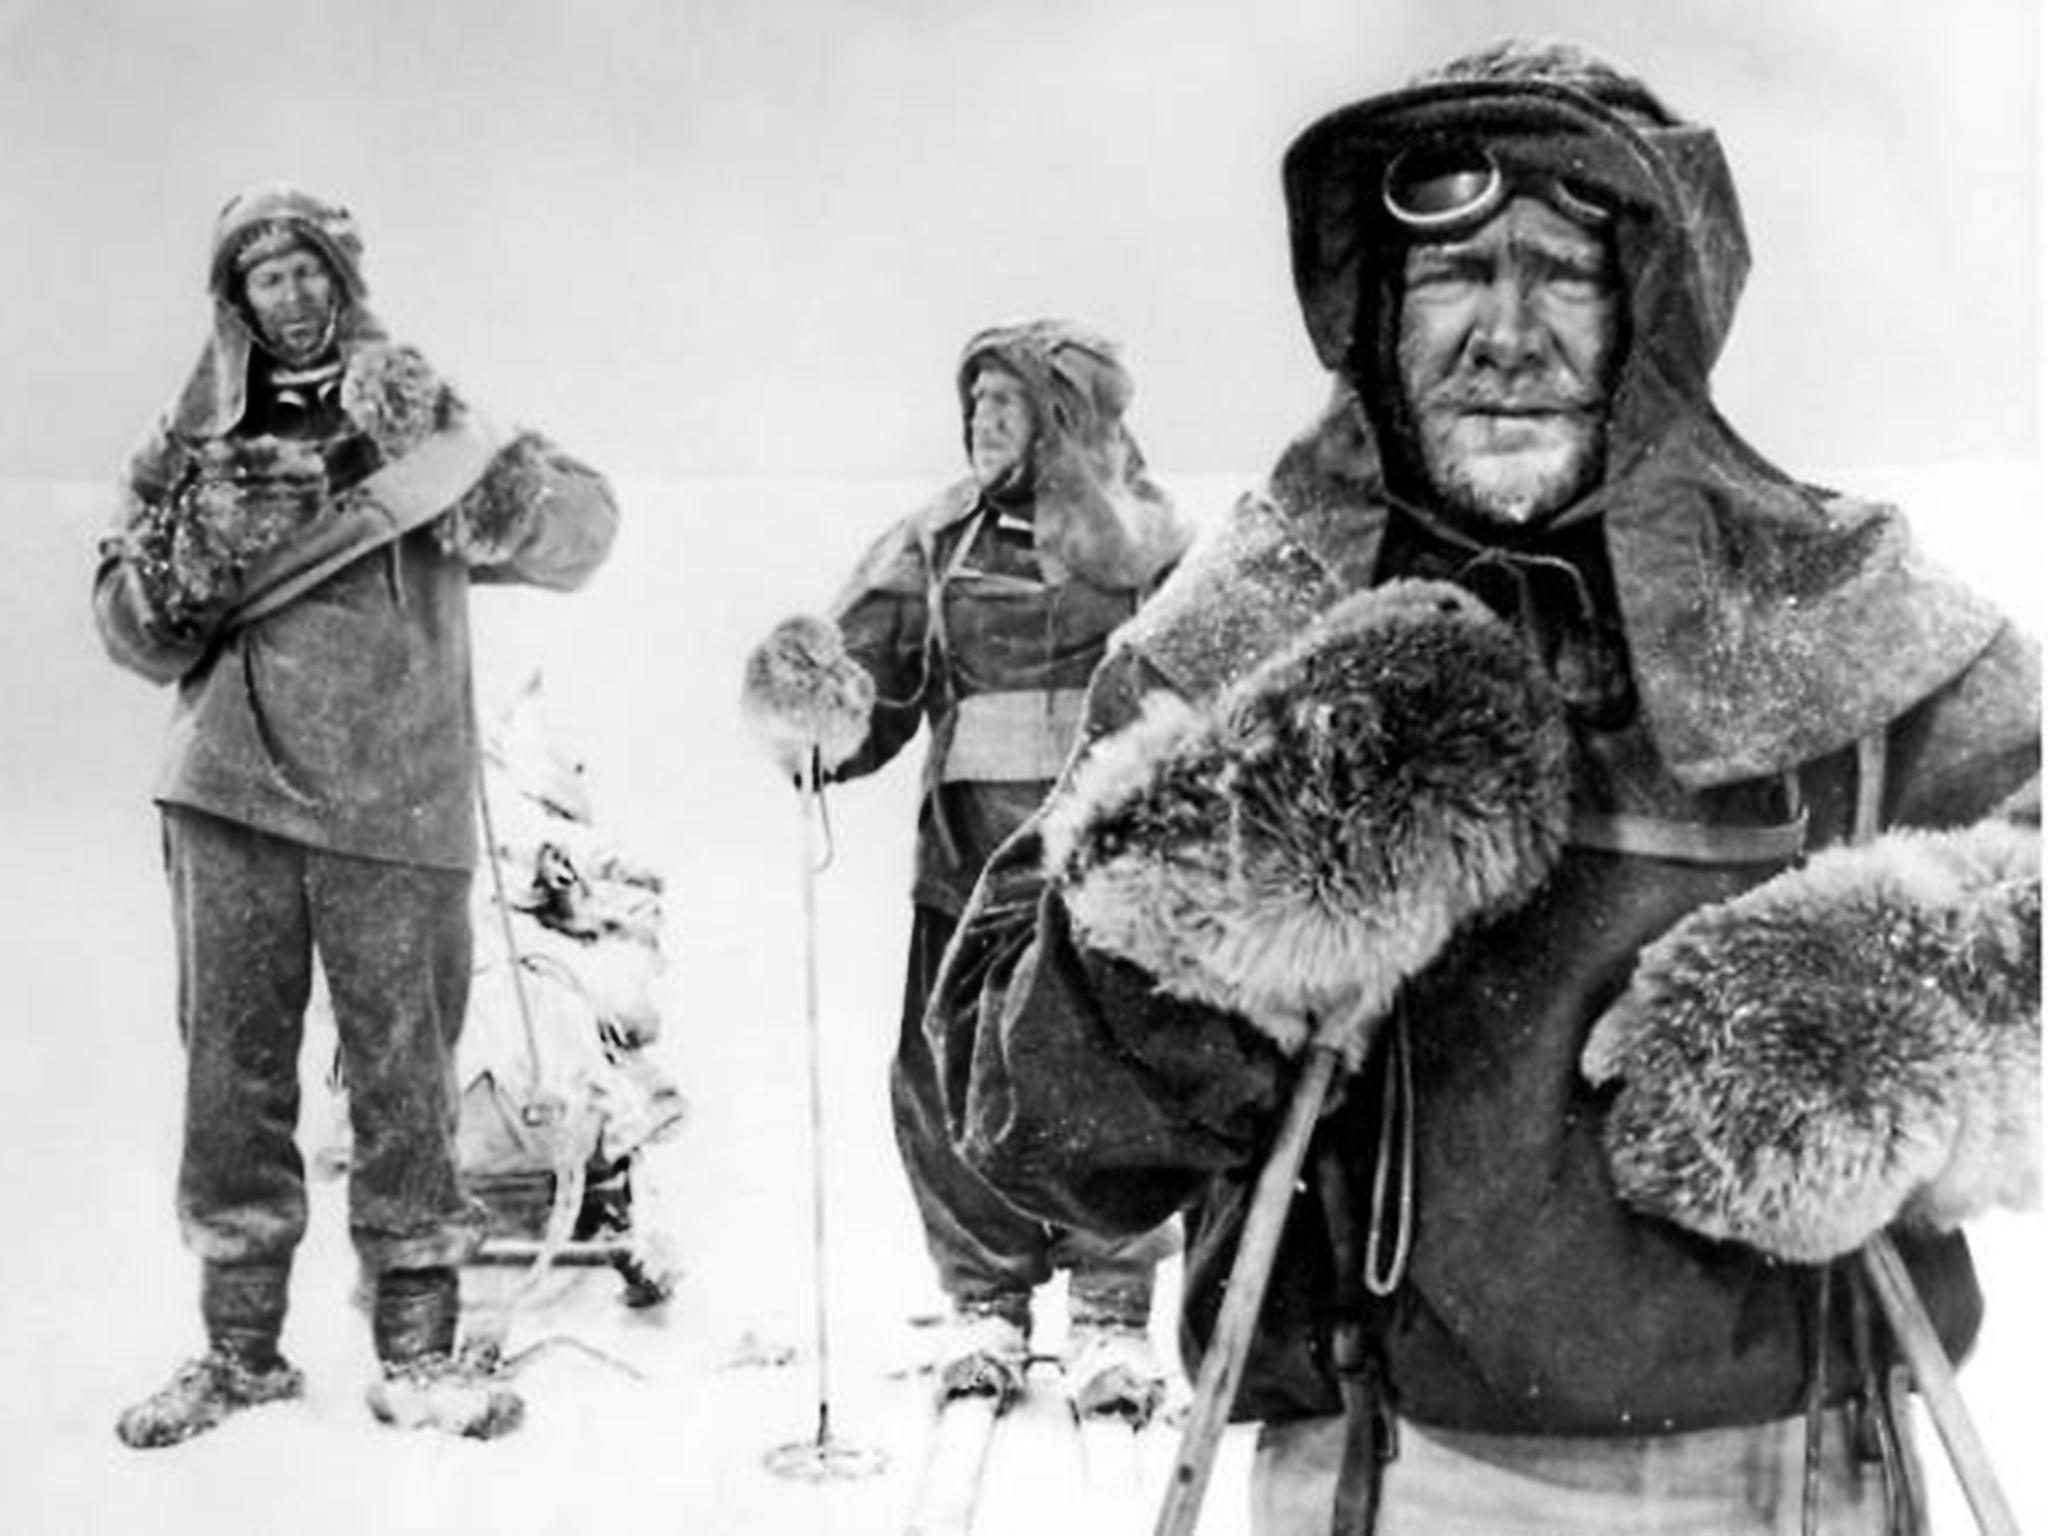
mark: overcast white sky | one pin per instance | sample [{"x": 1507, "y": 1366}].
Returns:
[{"x": 703, "y": 236}]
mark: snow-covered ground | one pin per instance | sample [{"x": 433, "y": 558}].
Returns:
[{"x": 638, "y": 1421}]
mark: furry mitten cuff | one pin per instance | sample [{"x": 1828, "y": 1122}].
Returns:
[
  {"x": 1851, "y": 1043},
  {"x": 803, "y": 691},
  {"x": 1314, "y": 838},
  {"x": 494, "y": 518},
  {"x": 236, "y": 500}
]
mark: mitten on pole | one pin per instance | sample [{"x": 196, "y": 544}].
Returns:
[
  {"x": 1851, "y": 1044},
  {"x": 804, "y": 692},
  {"x": 1298, "y": 849}
]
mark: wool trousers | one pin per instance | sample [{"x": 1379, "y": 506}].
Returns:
[
  {"x": 251, "y": 913},
  {"x": 990, "y": 1255}
]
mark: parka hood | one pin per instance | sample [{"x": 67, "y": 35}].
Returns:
[
  {"x": 215, "y": 395},
  {"x": 1096, "y": 510},
  {"x": 1768, "y": 621},
  {"x": 1077, "y": 382},
  {"x": 1679, "y": 237}
]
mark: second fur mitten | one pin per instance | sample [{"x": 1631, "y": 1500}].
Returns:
[{"x": 1855, "y": 1042}]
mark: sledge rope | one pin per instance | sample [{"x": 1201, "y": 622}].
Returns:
[{"x": 569, "y": 1152}]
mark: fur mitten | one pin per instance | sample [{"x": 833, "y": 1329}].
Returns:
[
  {"x": 494, "y": 518},
  {"x": 395, "y": 398},
  {"x": 1851, "y": 1043},
  {"x": 802, "y": 690},
  {"x": 236, "y": 499},
  {"x": 1297, "y": 850}
]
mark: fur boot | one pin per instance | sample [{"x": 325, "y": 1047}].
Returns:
[
  {"x": 802, "y": 690},
  {"x": 1851, "y": 1043},
  {"x": 1312, "y": 839}
]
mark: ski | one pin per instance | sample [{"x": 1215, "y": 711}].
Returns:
[
  {"x": 1117, "y": 1491},
  {"x": 1034, "y": 1463},
  {"x": 956, "y": 1456}
]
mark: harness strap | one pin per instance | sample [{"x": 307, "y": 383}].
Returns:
[
  {"x": 1816, "y": 1399},
  {"x": 1687, "y": 842},
  {"x": 1016, "y": 736},
  {"x": 1369, "y": 1428}
]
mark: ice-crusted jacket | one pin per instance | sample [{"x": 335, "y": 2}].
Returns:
[
  {"x": 1747, "y": 659},
  {"x": 989, "y": 637},
  {"x": 295, "y": 555}
]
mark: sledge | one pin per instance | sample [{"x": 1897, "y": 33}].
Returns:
[{"x": 559, "y": 1098}]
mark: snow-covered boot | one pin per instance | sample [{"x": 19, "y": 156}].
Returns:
[
  {"x": 427, "y": 1383},
  {"x": 1112, "y": 1370},
  {"x": 986, "y": 1351},
  {"x": 205, "y": 1391},
  {"x": 243, "y": 1307}
]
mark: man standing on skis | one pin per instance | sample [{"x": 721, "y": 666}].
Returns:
[
  {"x": 1564, "y": 1254},
  {"x": 981, "y": 616},
  {"x": 295, "y": 549}
]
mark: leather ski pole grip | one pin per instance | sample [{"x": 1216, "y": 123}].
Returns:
[
  {"x": 1223, "y": 1363},
  {"x": 1936, "y": 1379}
]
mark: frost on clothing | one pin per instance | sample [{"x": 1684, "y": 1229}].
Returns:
[
  {"x": 338, "y": 718},
  {"x": 1724, "y": 636},
  {"x": 988, "y": 633},
  {"x": 293, "y": 551}
]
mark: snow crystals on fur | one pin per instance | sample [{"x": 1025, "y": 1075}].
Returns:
[
  {"x": 1315, "y": 837},
  {"x": 1852, "y": 1043}
]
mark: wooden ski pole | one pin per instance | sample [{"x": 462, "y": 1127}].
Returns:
[
  {"x": 1936, "y": 1379},
  {"x": 1223, "y": 1364}
]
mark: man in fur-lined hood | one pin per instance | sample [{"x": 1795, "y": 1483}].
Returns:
[
  {"x": 294, "y": 550},
  {"x": 980, "y": 616},
  {"x": 1641, "y": 1089}
]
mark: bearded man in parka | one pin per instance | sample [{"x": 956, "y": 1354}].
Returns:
[
  {"x": 295, "y": 549},
  {"x": 981, "y": 616},
  {"x": 1544, "y": 1276}
]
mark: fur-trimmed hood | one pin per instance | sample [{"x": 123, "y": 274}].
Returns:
[
  {"x": 1096, "y": 510},
  {"x": 215, "y": 395}
]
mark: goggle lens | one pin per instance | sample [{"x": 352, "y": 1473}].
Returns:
[
  {"x": 1437, "y": 187},
  {"x": 1428, "y": 188}
]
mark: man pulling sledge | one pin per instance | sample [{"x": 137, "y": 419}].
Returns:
[
  {"x": 295, "y": 549},
  {"x": 981, "y": 616},
  {"x": 1573, "y": 1248}
]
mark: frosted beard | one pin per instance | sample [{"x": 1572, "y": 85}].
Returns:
[{"x": 1509, "y": 469}]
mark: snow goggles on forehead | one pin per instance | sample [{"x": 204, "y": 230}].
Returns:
[{"x": 1437, "y": 187}]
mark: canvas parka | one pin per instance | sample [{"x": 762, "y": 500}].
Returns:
[
  {"x": 1753, "y": 665},
  {"x": 987, "y": 634},
  {"x": 327, "y": 698}
]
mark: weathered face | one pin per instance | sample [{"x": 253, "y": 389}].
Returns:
[
  {"x": 1509, "y": 337},
  {"x": 291, "y": 297},
  {"x": 999, "y": 425}
]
